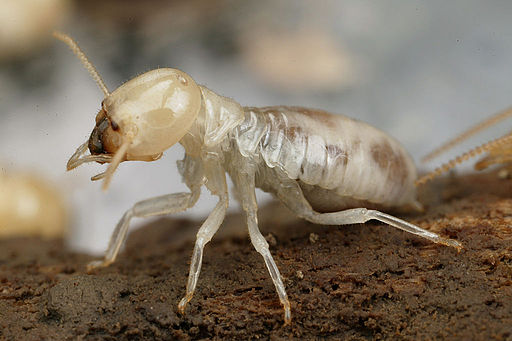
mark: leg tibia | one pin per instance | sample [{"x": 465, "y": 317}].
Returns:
[
  {"x": 261, "y": 245},
  {"x": 166, "y": 204},
  {"x": 291, "y": 195},
  {"x": 204, "y": 235},
  {"x": 408, "y": 227},
  {"x": 216, "y": 183},
  {"x": 244, "y": 184},
  {"x": 362, "y": 215}
]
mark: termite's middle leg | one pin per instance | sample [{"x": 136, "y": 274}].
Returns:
[
  {"x": 291, "y": 195},
  {"x": 217, "y": 185},
  {"x": 245, "y": 184}
]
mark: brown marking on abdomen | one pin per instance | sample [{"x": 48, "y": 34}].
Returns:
[
  {"x": 387, "y": 159},
  {"x": 293, "y": 133}
]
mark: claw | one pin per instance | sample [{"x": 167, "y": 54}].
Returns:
[
  {"x": 97, "y": 264},
  {"x": 183, "y": 304},
  {"x": 451, "y": 243},
  {"x": 287, "y": 313}
]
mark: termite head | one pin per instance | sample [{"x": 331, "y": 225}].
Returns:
[
  {"x": 153, "y": 111},
  {"x": 140, "y": 119}
]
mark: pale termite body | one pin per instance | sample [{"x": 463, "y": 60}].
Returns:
[{"x": 328, "y": 169}]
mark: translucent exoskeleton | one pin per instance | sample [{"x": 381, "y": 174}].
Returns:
[
  {"x": 499, "y": 150},
  {"x": 328, "y": 169}
]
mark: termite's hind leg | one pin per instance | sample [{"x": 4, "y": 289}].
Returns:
[
  {"x": 244, "y": 184},
  {"x": 166, "y": 204},
  {"x": 291, "y": 195},
  {"x": 405, "y": 226}
]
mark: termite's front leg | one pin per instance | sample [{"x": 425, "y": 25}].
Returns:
[
  {"x": 245, "y": 185},
  {"x": 166, "y": 204}
]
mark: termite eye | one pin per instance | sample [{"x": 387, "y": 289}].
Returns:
[
  {"x": 101, "y": 116},
  {"x": 96, "y": 139},
  {"x": 95, "y": 144},
  {"x": 115, "y": 126}
]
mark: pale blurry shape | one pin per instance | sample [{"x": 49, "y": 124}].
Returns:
[
  {"x": 149, "y": 12},
  {"x": 304, "y": 60},
  {"x": 31, "y": 206},
  {"x": 162, "y": 20},
  {"x": 25, "y": 25}
]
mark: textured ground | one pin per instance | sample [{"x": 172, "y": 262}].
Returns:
[{"x": 355, "y": 282}]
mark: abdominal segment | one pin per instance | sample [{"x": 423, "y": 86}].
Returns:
[{"x": 329, "y": 152}]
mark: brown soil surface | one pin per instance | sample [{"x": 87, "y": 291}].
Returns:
[{"x": 353, "y": 282}]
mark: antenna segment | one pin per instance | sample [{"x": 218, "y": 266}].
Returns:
[{"x": 83, "y": 58}]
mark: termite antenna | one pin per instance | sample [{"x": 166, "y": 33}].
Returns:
[
  {"x": 461, "y": 158},
  {"x": 83, "y": 58},
  {"x": 468, "y": 133}
]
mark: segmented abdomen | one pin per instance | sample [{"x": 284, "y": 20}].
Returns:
[{"x": 330, "y": 151}]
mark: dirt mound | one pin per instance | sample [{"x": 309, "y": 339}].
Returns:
[{"x": 353, "y": 282}]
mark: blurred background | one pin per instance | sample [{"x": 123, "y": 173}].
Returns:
[{"x": 421, "y": 71}]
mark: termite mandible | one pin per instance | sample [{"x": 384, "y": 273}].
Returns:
[{"x": 328, "y": 169}]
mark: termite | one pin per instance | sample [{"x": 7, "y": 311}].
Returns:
[
  {"x": 328, "y": 169},
  {"x": 499, "y": 150}
]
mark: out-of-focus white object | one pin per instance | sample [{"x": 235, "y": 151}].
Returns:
[
  {"x": 304, "y": 60},
  {"x": 25, "y": 25},
  {"x": 30, "y": 206}
]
